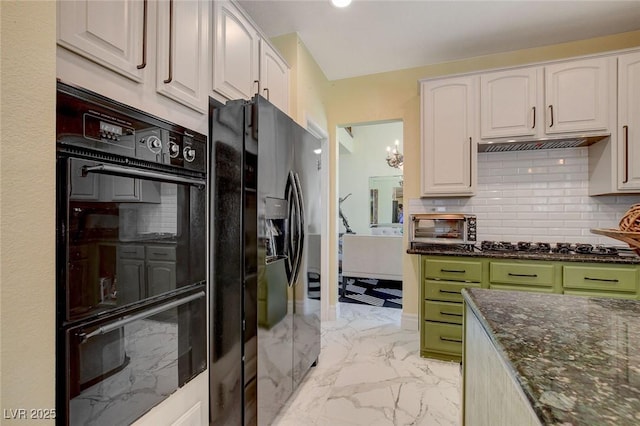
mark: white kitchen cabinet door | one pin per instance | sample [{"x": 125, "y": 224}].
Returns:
[
  {"x": 448, "y": 110},
  {"x": 109, "y": 33},
  {"x": 236, "y": 55},
  {"x": 508, "y": 103},
  {"x": 274, "y": 77},
  {"x": 577, "y": 95},
  {"x": 182, "y": 52},
  {"x": 629, "y": 121}
]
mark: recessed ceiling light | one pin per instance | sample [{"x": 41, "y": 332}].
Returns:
[{"x": 341, "y": 3}]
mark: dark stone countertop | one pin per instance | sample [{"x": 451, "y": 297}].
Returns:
[
  {"x": 577, "y": 359},
  {"x": 624, "y": 258}
]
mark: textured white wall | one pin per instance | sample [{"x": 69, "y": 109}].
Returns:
[{"x": 538, "y": 196}]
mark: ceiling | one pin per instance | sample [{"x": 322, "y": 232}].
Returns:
[{"x": 373, "y": 36}]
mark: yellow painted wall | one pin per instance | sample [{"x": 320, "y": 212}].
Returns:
[
  {"x": 395, "y": 95},
  {"x": 27, "y": 204},
  {"x": 308, "y": 87}
]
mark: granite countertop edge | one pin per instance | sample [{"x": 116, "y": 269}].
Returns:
[
  {"x": 467, "y": 295},
  {"x": 578, "y": 258}
]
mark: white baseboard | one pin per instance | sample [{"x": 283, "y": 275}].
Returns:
[{"x": 409, "y": 322}]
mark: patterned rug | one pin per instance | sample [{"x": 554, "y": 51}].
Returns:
[{"x": 374, "y": 292}]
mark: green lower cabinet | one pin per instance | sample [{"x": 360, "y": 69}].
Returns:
[
  {"x": 444, "y": 277},
  {"x": 442, "y": 341}
]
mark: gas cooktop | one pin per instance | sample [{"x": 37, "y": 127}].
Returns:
[{"x": 561, "y": 248}]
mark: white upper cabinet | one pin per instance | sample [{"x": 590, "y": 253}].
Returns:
[
  {"x": 577, "y": 95},
  {"x": 274, "y": 77},
  {"x": 508, "y": 103},
  {"x": 547, "y": 101},
  {"x": 244, "y": 63},
  {"x": 110, "y": 33},
  {"x": 629, "y": 121},
  {"x": 448, "y": 129},
  {"x": 235, "y": 55},
  {"x": 182, "y": 52},
  {"x": 162, "y": 45}
]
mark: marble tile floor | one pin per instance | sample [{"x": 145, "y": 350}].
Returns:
[{"x": 370, "y": 373}]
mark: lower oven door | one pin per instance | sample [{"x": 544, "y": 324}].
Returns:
[{"x": 120, "y": 368}]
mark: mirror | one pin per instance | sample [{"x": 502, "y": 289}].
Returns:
[{"x": 385, "y": 201}]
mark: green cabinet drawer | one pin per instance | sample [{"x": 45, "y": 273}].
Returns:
[
  {"x": 534, "y": 274},
  {"x": 453, "y": 270},
  {"x": 442, "y": 337},
  {"x": 443, "y": 312},
  {"x": 621, "y": 278},
  {"x": 446, "y": 291}
]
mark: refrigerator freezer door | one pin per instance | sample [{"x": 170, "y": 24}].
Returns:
[{"x": 274, "y": 307}]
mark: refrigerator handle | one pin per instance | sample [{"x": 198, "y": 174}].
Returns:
[
  {"x": 300, "y": 224},
  {"x": 290, "y": 193}
]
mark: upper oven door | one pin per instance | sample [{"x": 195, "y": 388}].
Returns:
[{"x": 128, "y": 235}]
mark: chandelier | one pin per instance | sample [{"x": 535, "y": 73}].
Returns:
[{"x": 394, "y": 156}]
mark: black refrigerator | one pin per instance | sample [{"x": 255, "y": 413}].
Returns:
[{"x": 265, "y": 210}]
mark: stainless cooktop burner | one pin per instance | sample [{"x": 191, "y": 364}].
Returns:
[{"x": 561, "y": 248}]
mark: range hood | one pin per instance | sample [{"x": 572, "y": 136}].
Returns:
[{"x": 524, "y": 144}]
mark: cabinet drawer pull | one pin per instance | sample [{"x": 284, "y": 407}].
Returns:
[
  {"x": 606, "y": 280},
  {"x": 457, "y": 271},
  {"x": 523, "y": 275},
  {"x": 144, "y": 37},
  {"x": 450, "y": 314},
  {"x": 449, "y": 292},
  {"x": 129, "y": 252},
  {"x": 448, "y": 339},
  {"x": 155, "y": 253}
]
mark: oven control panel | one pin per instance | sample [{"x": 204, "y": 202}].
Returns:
[{"x": 89, "y": 120}]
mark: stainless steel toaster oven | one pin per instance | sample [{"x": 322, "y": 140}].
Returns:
[{"x": 442, "y": 228}]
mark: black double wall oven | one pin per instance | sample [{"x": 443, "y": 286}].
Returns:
[{"x": 131, "y": 259}]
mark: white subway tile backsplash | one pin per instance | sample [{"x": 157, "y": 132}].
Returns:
[{"x": 536, "y": 196}]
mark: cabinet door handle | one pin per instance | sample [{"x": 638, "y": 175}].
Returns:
[
  {"x": 606, "y": 280},
  {"x": 258, "y": 83},
  {"x": 534, "y": 117},
  {"x": 267, "y": 91},
  {"x": 168, "y": 80},
  {"x": 144, "y": 36},
  {"x": 625, "y": 130},
  {"x": 449, "y": 292},
  {"x": 458, "y": 271},
  {"x": 448, "y": 339},
  {"x": 470, "y": 162},
  {"x": 551, "y": 109},
  {"x": 523, "y": 275},
  {"x": 450, "y": 314}
]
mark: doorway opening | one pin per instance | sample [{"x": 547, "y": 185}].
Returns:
[{"x": 371, "y": 213}]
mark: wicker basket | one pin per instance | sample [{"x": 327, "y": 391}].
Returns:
[{"x": 629, "y": 231}]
